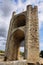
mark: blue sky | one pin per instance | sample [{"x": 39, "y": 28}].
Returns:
[{"x": 6, "y": 9}]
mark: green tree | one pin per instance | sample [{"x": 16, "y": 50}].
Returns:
[{"x": 41, "y": 53}]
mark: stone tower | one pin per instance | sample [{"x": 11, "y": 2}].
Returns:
[{"x": 23, "y": 26}]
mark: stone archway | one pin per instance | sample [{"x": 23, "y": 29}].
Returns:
[
  {"x": 15, "y": 36},
  {"x": 18, "y": 34},
  {"x": 18, "y": 37}
]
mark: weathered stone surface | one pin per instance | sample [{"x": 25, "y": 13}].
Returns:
[
  {"x": 24, "y": 26},
  {"x": 23, "y": 62},
  {"x": 32, "y": 35}
]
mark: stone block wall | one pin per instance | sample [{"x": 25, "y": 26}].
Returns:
[{"x": 32, "y": 35}]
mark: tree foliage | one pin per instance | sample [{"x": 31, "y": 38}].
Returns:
[
  {"x": 2, "y": 51},
  {"x": 41, "y": 53},
  {"x": 22, "y": 53}
]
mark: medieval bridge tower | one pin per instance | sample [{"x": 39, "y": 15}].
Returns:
[{"x": 24, "y": 26}]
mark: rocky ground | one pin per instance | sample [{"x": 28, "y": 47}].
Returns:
[
  {"x": 41, "y": 60},
  {"x": 2, "y": 58}
]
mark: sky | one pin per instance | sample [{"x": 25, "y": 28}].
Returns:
[{"x": 6, "y": 9}]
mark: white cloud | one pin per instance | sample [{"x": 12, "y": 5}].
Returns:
[
  {"x": 22, "y": 49},
  {"x": 2, "y": 43},
  {"x": 41, "y": 46}
]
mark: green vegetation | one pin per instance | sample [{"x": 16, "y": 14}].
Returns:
[
  {"x": 1, "y": 51},
  {"x": 41, "y": 53},
  {"x": 22, "y": 53}
]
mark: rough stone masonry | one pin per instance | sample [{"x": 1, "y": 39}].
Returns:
[{"x": 23, "y": 27}]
